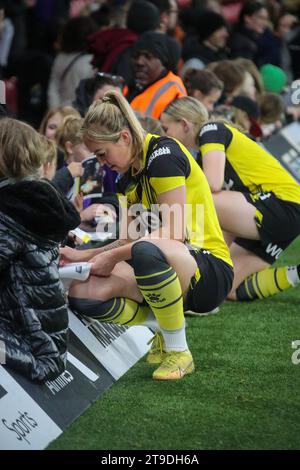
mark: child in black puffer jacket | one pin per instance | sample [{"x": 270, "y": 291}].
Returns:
[{"x": 34, "y": 218}]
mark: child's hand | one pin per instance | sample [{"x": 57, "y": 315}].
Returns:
[
  {"x": 97, "y": 210},
  {"x": 78, "y": 202},
  {"x": 76, "y": 169},
  {"x": 68, "y": 255}
]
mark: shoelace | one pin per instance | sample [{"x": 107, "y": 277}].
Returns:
[
  {"x": 157, "y": 343},
  {"x": 171, "y": 359}
]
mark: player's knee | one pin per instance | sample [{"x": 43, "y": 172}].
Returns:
[{"x": 147, "y": 258}]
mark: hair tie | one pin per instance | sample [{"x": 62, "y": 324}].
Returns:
[{"x": 106, "y": 99}]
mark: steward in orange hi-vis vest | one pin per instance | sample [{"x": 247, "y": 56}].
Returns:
[
  {"x": 155, "y": 58},
  {"x": 158, "y": 96}
]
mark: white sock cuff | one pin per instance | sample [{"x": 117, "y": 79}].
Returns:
[
  {"x": 175, "y": 340},
  {"x": 292, "y": 275}
]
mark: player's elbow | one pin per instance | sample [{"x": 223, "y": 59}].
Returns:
[{"x": 215, "y": 187}]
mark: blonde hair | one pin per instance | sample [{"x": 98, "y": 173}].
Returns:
[
  {"x": 151, "y": 125},
  {"x": 69, "y": 131},
  {"x": 50, "y": 150},
  {"x": 22, "y": 152},
  {"x": 62, "y": 110},
  {"x": 188, "y": 108},
  {"x": 106, "y": 118}
]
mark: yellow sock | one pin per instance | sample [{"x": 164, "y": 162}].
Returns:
[
  {"x": 162, "y": 292},
  {"x": 119, "y": 310},
  {"x": 267, "y": 283}
]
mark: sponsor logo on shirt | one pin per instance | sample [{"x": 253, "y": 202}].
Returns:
[
  {"x": 208, "y": 127},
  {"x": 158, "y": 153}
]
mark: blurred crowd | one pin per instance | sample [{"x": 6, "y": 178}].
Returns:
[{"x": 239, "y": 58}]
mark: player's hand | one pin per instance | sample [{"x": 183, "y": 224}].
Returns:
[{"x": 103, "y": 264}]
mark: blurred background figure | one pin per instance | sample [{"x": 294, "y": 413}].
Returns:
[
  {"x": 205, "y": 40},
  {"x": 91, "y": 89},
  {"x": 54, "y": 118},
  {"x": 7, "y": 31},
  {"x": 168, "y": 10},
  {"x": 72, "y": 63},
  {"x": 111, "y": 47},
  {"x": 232, "y": 75},
  {"x": 51, "y": 122},
  {"x": 252, "y": 23},
  {"x": 205, "y": 86},
  {"x": 151, "y": 125},
  {"x": 271, "y": 113},
  {"x": 246, "y": 115}
]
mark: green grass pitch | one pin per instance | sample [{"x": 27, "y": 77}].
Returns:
[{"x": 245, "y": 393}]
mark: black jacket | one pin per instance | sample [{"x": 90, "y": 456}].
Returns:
[
  {"x": 192, "y": 48},
  {"x": 244, "y": 43},
  {"x": 34, "y": 216}
]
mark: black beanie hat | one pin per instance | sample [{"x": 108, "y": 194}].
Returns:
[
  {"x": 143, "y": 16},
  {"x": 246, "y": 104},
  {"x": 162, "y": 46},
  {"x": 207, "y": 23}
]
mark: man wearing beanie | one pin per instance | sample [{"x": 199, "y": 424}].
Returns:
[
  {"x": 207, "y": 42},
  {"x": 155, "y": 57}
]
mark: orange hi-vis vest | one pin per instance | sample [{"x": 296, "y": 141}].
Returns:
[{"x": 152, "y": 101}]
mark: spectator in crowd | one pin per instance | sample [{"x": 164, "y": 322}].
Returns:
[
  {"x": 283, "y": 30},
  {"x": 205, "y": 86},
  {"x": 232, "y": 75},
  {"x": 274, "y": 44},
  {"x": 253, "y": 21},
  {"x": 168, "y": 15},
  {"x": 69, "y": 140},
  {"x": 50, "y": 161},
  {"x": 91, "y": 89},
  {"x": 271, "y": 113},
  {"x": 248, "y": 87},
  {"x": 208, "y": 43},
  {"x": 155, "y": 57},
  {"x": 257, "y": 202},
  {"x": 249, "y": 66},
  {"x": 161, "y": 266},
  {"x": 51, "y": 122},
  {"x": 246, "y": 115},
  {"x": 34, "y": 218},
  {"x": 6, "y": 36},
  {"x": 53, "y": 119},
  {"x": 111, "y": 47},
  {"x": 273, "y": 77},
  {"x": 72, "y": 63}
]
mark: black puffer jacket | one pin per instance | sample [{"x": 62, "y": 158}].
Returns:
[{"x": 34, "y": 216}]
